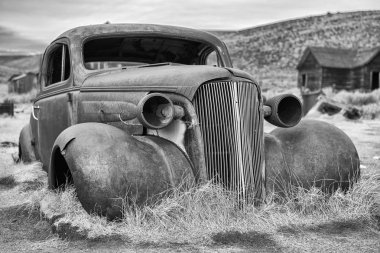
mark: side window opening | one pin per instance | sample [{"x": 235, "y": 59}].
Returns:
[
  {"x": 55, "y": 66},
  {"x": 66, "y": 70},
  {"x": 212, "y": 59},
  {"x": 58, "y": 65}
]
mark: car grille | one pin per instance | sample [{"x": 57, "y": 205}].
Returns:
[{"x": 231, "y": 124}]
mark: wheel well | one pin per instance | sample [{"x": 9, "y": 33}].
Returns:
[{"x": 60, "y": 174}]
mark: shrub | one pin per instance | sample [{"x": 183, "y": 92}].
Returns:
[
  {"x": 371, "y": 111},
  {"x": 358, "y": 98},
  {"x": 367, "y": 103}
]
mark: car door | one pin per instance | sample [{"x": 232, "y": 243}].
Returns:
[{"x": 52, "y": 109}]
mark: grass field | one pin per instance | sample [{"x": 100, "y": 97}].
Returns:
[{"x": 197, "y": 220}]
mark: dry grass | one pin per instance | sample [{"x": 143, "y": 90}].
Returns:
[
  {"x": 202, "y": 215},
  {"x": 358, "y": 98},
  {"x": 24, "y": 185}
]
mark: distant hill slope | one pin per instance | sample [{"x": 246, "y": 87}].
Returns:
[
  {"x": 18, "y": 63},
  {"x": 271, "y": 52},
  {"x": 18, "y": 54},
  {"x": 11, "y": 41}
]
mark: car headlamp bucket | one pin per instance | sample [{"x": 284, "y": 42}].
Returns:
[
  {"x": 155, "y": 111},
  {"x": 286, "y": 110}
]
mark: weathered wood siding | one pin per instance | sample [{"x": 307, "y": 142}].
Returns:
[
  {"x": 313, "y": 71},
  {"x": 357, "y": 76},
  {"x": 372, "y": 66},
  {"x": 338, "y": 78}
]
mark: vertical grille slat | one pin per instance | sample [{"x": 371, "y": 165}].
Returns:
[
  {"x": 208, "y": 135},
  {"x": 231, "y": 125},
  {"x": 226, "y": 138}
]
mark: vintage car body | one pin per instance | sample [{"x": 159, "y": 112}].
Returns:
[{"x": 129, "y": 111}]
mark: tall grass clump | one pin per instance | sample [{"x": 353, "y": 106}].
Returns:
[
  {"x": 357, "y": 98},
  {"x": 354, "y": 204},
  {"x": 368, "y": 103},
  {"x": 194, "y": 215}
]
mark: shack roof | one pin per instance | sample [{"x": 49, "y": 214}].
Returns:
[
  {"x": 17, "y": 77},
  {"x": 339, "y": 57}
]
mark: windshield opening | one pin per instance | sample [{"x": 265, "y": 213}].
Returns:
[{"x": 113, "y": 52}]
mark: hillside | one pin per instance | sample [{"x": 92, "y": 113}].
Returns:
[
  {"x": 12, "y": 41},
  {"x": 271, "y": 52},
  {"x": 11, "y": 64},
  {"x": 18, "y": 54}
]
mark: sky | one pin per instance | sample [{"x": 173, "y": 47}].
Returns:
[{"x": 44, "y": 20}]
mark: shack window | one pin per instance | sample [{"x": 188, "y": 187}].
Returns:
[
  {"x": 375, "y": 80},
  {"x": 304, "y": 80},
  {"x": 58, "y": 65}
]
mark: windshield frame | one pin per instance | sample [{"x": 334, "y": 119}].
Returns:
[{"x": 147, "y": 35}]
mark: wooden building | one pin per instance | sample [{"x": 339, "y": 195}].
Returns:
[
  {"x": 347, "y": 69},
  {"x": 22, "y": 83}
]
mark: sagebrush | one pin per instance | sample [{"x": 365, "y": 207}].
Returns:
[{"x": 367, "y": 102}]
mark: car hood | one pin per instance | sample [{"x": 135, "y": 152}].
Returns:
[{"x": 183, "y": 79}]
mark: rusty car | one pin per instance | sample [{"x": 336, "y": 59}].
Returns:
[{"x": 128, "y": 111}]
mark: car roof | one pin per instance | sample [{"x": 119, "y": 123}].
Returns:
[{"x": 83, "y": 32}]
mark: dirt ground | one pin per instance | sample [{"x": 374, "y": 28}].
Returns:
[{"x": 22, "y": 229}]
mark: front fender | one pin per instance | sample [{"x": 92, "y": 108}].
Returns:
[
  {"x": 313, "y": 153},
  {"x": 108, "y": 164}
]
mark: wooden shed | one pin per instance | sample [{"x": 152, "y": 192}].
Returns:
[
  {"x": 339, "y": 68},
  {"x": 22, "y": 83}
]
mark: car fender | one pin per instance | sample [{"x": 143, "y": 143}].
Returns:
[
  {"x": 108, "y": 165},
  {"x": 26, "y": 148},
  {"x": 313, "y": 153}
]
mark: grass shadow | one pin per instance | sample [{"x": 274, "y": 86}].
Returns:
[
  {"x": 20, "y": 223},
  {"x": 31, "y": 185},
  {"x": 8, "y": 182},
  {"x": 330, "y": 229},
  {"x": 337, "y": 228},
  {"x": 67, "y": 231},
  {"x": 254, "y": 239}
]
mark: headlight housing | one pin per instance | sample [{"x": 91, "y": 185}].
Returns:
[{"x": 155, "y": 111}]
